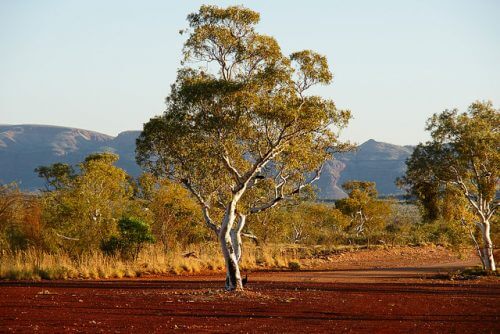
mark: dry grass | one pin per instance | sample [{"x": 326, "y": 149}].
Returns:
[{"x": 34, "y": 265}]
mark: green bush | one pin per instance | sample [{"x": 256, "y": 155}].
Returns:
[
  {"x": 111, "y": 246},
  {"x": 133, "y": 234},
  {"x": 294, "y": 266}
]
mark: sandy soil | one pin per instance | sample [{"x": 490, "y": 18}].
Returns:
[{"x": 370, "y": 297}]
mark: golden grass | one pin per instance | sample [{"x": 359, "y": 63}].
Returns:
[{"x": 153, "y": 260}]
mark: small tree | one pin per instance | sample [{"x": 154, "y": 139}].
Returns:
[
  {"x": 133, "y": 235},
  {"x": 57, "y": 175},
  {"x": 82, "y": 210},
  {"x": 176, "y": 214},
  {"x": 241, "y": 133},
  {"x": 368, "y": 214},
  {"x": 463, "y": 157}
]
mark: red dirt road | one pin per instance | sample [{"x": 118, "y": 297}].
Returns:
[
  {"x": 372, "y": 291},
  {"x": 303, "y": 302}
]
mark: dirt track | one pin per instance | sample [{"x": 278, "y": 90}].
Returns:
[{"x": 393, "y": 299}]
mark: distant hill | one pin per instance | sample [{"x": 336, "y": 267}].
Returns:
[
  {"x": 372, "y": 161},
  {"x": 25, "y": 147}
]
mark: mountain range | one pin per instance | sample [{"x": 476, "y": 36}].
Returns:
[{"x": 25, "y": 147}]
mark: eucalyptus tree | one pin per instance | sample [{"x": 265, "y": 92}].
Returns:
[
  {"x": 240, "y": 130},
  {"x": 57, "y": 176},
  {"x": 463, "y": 156},
  {"x": 368, "y": 214},
  {"x": 83, "y": 208}
]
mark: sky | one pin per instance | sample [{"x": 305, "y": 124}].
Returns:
[{"x": 108, "y": 65}]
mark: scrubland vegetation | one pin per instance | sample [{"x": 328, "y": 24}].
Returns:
[{"x": 94, "y": 221}]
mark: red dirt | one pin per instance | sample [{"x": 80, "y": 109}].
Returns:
[{"x": 381, "y": 300}]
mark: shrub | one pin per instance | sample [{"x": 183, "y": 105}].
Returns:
[
  {"x": 294, "y": 266},
  {"x": 133, "y": 234}
]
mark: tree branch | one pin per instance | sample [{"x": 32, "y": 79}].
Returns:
[
  {"x": 462, "y": 184},
  {"x": 234, "y": 172},
  {"x": 492, "y": 210},
  {"x": 478, "y": 249},
  {"x": 248, "y": 178},
  {"x": 279, "y": 196},
  {"x": 65, "y": 237},
  {"x": 204, "y": 205},
  {"x": 251, "y": 236}
]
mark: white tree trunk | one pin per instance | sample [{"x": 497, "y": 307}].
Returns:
[
  {"x": 487, "y": 252},
  {"x": 236, "y": 236},
  {"x": 233, "y": 276}
]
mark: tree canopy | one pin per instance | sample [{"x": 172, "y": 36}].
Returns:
[
  {"x": 82, "y": 210},
  {"x": 368, "y": 214},
  {"x": 462, "y": 157},
  {"x": 240, "y": 130}
]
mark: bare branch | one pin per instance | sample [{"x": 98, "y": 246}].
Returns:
[
  {"x": 476, "y": 244},
  {"x": 248, "y": 178},
  {"x": 465, "y": 190},
  {"x": 234, "y": 172},
  {"x": 204, "y": 205},
  {"x": 66, "y": 238},
  {"x": 316, "y": 177},
  {"x": 492, "y": 210},
  {"x": 251, "y": 236},
  {"x": 279, "y": 196}
]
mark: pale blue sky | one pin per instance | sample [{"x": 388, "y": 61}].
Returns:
[{"x": 108, "y": 65}]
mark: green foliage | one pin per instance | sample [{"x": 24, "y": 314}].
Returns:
[
  {"x": 307, "y": 223},
  {"x": 400, "y": 223},
  {"x": 57, "y": 175},
  {"x": 244, "y": 127},
  {"x": 363, "y": 190},
  {"x": 85, "y": 211},
  {"x": 367, "y": 213},
  {"x": 462, "y": 159},
  {"x": 455, "y": 175},
  {"x": 176, "y": 216},
  {"x": 134, "y": 231},
  {"x": 294, "y": 266},
  {"x": 420, "y": 181},
  {"x": 439, "y": 232},
  {"x": 10, "y": 201},
  {"x": 133, "y": 234},
  {"x": 111, "y": 246}
]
